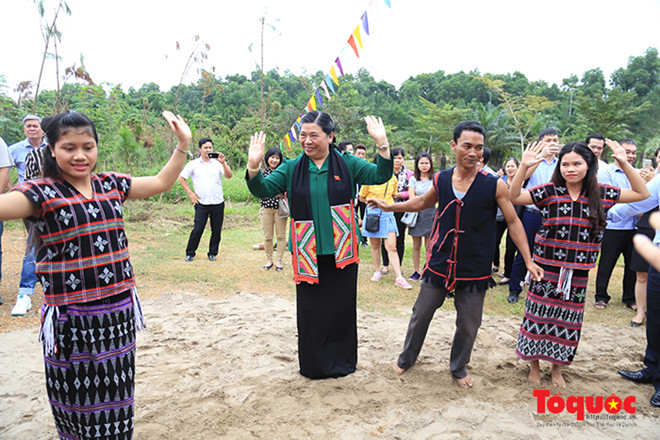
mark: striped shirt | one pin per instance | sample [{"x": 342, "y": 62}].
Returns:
[
  {"x": 565, "y": 238},
  {"x": 83, "y": 253}
]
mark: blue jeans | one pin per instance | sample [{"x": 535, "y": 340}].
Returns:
[{"x": 28, "y": 272}]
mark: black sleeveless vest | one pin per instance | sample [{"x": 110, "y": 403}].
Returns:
[{"x": 462, "y": 240}]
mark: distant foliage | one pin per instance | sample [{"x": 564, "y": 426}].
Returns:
[{"x": 419, "y": 116}]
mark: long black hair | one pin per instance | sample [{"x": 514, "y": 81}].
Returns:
[
  {"x": 589, "y": 184},
  {"x": 57, "y": 127},
  {"x": 418, "y": 157}
]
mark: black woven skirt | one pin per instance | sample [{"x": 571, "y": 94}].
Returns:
[
  {"x": 90, "y": 380},
  {"x": 327, "y": 326}
]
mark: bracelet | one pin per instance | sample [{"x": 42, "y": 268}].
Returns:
[
  {"x": 253, "y": 170},
  {"x": 383, "y": 147},
  {"x": 179, "y": 149}
]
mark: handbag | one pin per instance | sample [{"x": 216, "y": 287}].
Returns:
[
  {"x": 409, "y": 218},
  {"x": 373, "y": 219},
  {"x": 283, "y": 208},
  {"x": 373, "y": 222}
]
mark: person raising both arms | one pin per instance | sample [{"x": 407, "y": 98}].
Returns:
[
  {"x": 566, "y": 246},
  {"x": 91, "y": 310}
]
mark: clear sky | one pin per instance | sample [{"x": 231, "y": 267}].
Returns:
[{"x": 134, "y": 42}]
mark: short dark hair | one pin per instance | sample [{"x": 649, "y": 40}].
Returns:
[
  {"x": 202, "y": 141},
  {"x": 627, "y": 141},
  {"x": 398, "y": 151},
  {"x": 361, "y": 147},
  {"x": 548, "y": 132},
  {"x": 342, "y": 146},
  {"x": 593, "y": 136},
  {"x": 485, "y": 155},
  {"x": 323, "y": 120},
  {"x": 468, "y": 126}
]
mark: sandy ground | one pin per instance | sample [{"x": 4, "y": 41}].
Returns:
[{"x": 227, "y": 368}]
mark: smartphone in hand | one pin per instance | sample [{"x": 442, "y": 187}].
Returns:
[{"x": 214, "y": 155}]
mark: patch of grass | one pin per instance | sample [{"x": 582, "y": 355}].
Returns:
[{"x": 159, "y": 233}]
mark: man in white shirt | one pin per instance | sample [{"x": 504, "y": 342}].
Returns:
[{"x": 208, "y": 198}]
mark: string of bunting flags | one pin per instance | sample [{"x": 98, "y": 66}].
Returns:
[{"x": 350, "y": 55}]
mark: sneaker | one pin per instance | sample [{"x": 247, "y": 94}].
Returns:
[
  {"x": 401, "y": 282},
  {"x": 189, "y": 258},
  {"x": 212, "y": 258},
  {"x": 415, "y": 277},
  {"x": 377, "y": 276},
  {"x": 23, "y": 304}
]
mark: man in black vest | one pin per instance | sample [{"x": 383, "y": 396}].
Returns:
[{"x": 461, "y": 246}]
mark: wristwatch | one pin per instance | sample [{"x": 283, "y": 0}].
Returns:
[{"x": 383, "y": 147}]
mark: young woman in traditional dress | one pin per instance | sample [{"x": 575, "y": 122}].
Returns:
[
  {"x": 573, "y": 207},
  {"x": 91, "y": 310}
]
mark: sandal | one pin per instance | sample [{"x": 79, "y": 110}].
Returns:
[
  {"x": 279, "y": 268},
  {"x": 601, "y": 305},
  {"x": 268, "y": 266},
  {"x": 634, "y": 323}
]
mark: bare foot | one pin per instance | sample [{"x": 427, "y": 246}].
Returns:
[
  {"x": 466, "y": 382},
  {"x": 398, "y": 370},
  {"x": 535, "y": 372},
  {"x": 557, "y": 378}
]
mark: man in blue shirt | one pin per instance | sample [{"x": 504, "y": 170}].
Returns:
[
  {"x": 618, "y": 235},
  {"x": 531, "y": 217},
  {"x": 650, "y": 374},
  {"x": 19, "y": 151}
]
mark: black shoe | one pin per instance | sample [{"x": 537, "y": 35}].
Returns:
[
  {"x": 655, "y": 399},
  {"x": 636, "y": 376},
  {"x": 513, "y": 297},
  {"x": 212, "y": 258},
  {"x": 189, "y": 258}
]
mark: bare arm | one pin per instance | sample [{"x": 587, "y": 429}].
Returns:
[
  {"x": 15, "y": 205},
  {"x": 516, "y": 229},
  {"x": 412, "y": 205},
  {"x": 151, "y": 185},
  {"x": 645, "y": 247},
  {"x": 223, "y": 160},
  {"x": 530, "y": 158}
]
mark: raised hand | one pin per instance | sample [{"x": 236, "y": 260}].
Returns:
[
  {"x": 256, "y": 151},
  {"x": 376, "y": 130},
  {"x": 532, "y": 154},
  {"x": 179, "y": 128},
  {"x": 618, "y": 152}
]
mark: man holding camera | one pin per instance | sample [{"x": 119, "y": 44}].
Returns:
[{"x": 206, "y": 173}]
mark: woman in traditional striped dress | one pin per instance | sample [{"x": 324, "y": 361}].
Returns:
[
  {"x": 573, "y": 207},
  {"x": 91, "y": 310}
]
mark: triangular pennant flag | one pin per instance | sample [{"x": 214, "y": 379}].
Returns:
[
  {"x": 287, "y": 142},
  {"x": 293, "y": 141},
  {"x": 328, "y": 81},
  {"x": 333, "y": 74},
  {"x": 358, "y": 37},
  {"x": 318, "y": 97},
  {"x": 325, "y": 89},
  {"x": 293, "y": 131},
  {"x": 365, "y": 22},
  {"x": 338, "y": 61},
  {"x": 387, "y": 2},
  {"x": 311, "y": 104},
  {"x": 351, "y": 41}
]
